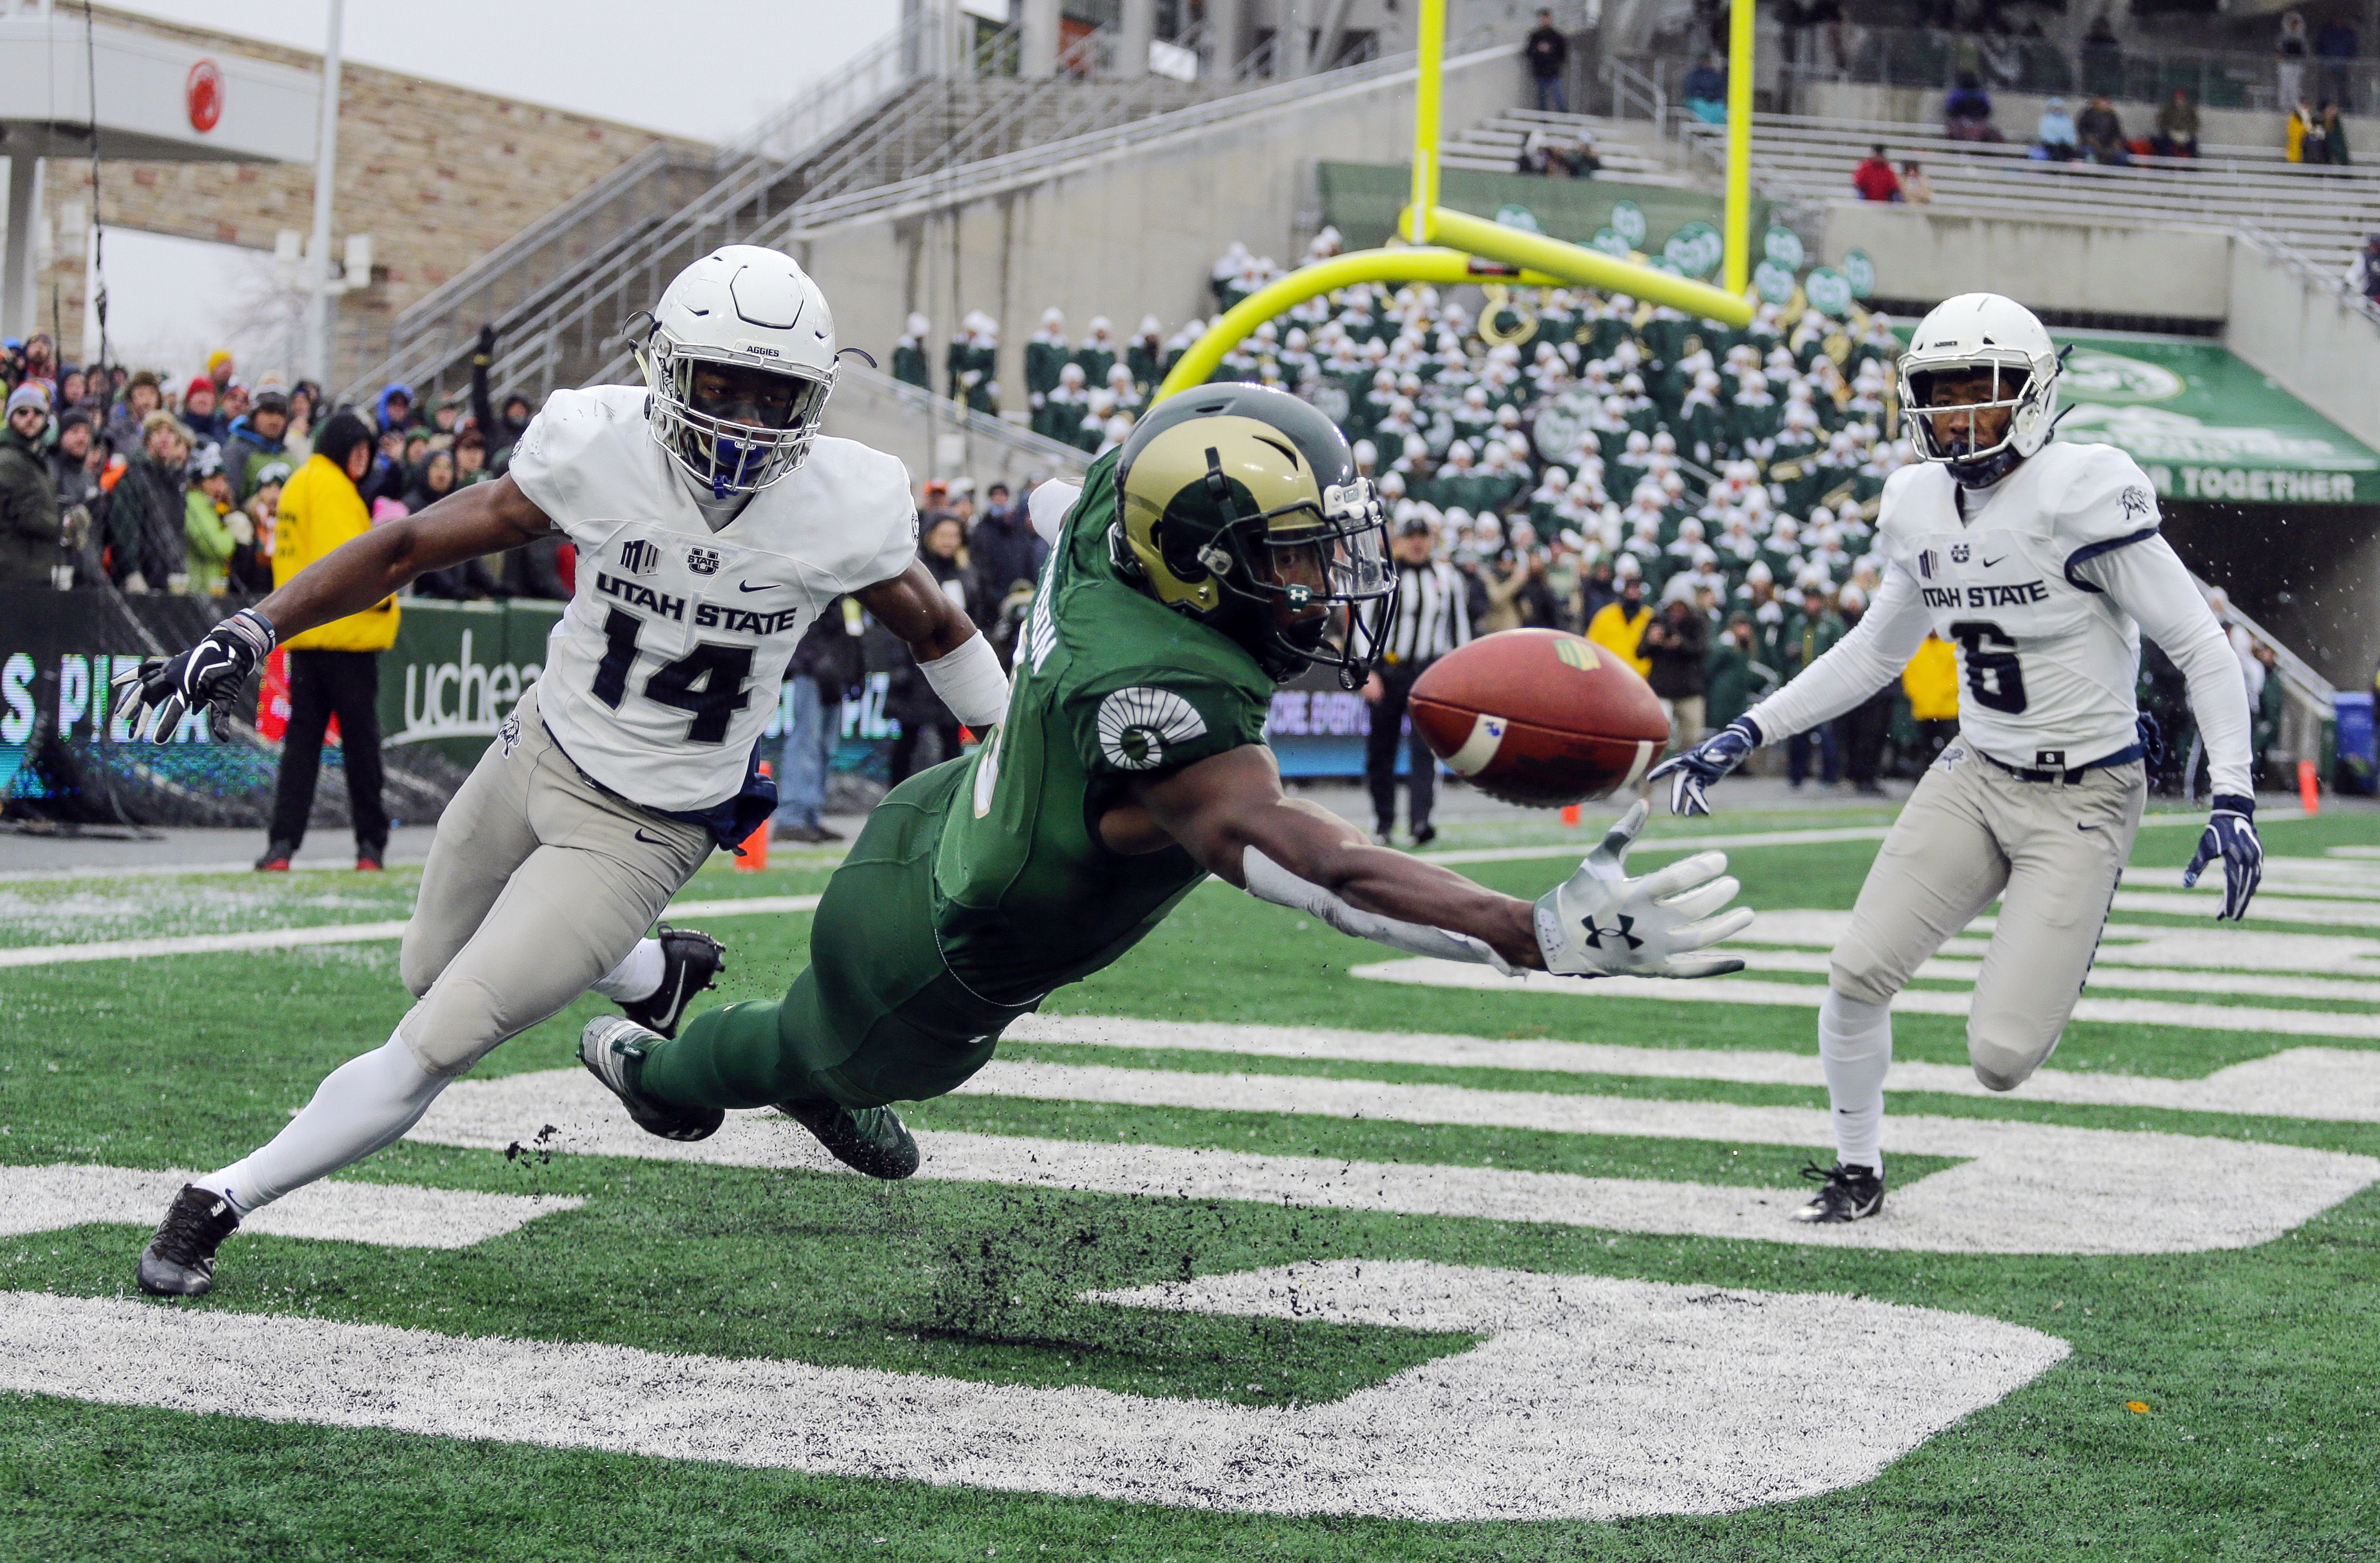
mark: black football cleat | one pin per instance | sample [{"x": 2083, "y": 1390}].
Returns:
[
  {"x": 1852, "y": 1193},
  {"x": 180, "y": 1258},
  {"x": 613, "y": 1051},
  {"x": 870, "y": 1140},
  {"x": 691, "y": 961}
]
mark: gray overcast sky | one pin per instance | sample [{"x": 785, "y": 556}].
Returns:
[{"x": 706, "y": 68}]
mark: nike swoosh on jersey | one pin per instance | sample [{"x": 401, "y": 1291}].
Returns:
[
  {"x": 748, "y": 586},
  {"x": 649, "y": 840},
  {"x": 1989, "y": 563},
  {"x": 2085, "y": 825}
]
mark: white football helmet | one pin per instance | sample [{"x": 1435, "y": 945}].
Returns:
[
  {"x": 1981, "y": 331},
  {"x": 750, "y": 310}
]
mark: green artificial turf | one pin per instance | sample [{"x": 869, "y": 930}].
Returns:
[{"x": 2260, "y": 1367}]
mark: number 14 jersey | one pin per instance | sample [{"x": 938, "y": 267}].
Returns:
[
  {"x": 664, "y": 669},
  {"x": 2048, "y": 660}
]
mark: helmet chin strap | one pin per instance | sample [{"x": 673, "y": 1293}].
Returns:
[{"x": 1983, "y": 472}]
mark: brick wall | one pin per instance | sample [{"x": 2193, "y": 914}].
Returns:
[{"x": 437, "y": 175}]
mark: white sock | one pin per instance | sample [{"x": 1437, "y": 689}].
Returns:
[
  {"x": 364, "y": 1104},
  {"x": 639, "y": 976},
  {"x": 1855, "y": 1047}
]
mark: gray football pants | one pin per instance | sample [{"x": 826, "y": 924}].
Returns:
[
  {"x": 539, "y": 883},
  {"x": 2052, "y": 850}
]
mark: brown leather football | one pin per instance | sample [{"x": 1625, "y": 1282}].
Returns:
[{"x": 1539, "y": 717}]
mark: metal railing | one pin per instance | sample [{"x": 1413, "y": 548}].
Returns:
[
  {"x": 647, "y": 186},
  {"x": 656, "y": 184},
  {"x": 2210, "y": 191},
  {"x": 2307, "y": 698},
  {"x": 577, "y": 324},
  {"x": 925, "y": 416},
  {"x": 2142, "y": 72},
  {"x": 2330, "y": 279},
  {"x": 1633, "y": 90},
  {"x": 992, "y": 174}
]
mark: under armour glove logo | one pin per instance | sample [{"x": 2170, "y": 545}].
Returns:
[
  {"x": 1596, "y": 936},
  {"x": 2230, "y": 834},
  {"x": 153, "y": 698}
]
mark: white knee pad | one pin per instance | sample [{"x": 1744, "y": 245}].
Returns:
[
  {"x": 414, "y": 965},
  {"x": 2004, "y": 1057},
  {"x": 1854, "y": 977},
  {"x": 457, "y": 1023}
]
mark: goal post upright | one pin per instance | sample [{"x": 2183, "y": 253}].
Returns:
[{"x": 1484, "y": 251}]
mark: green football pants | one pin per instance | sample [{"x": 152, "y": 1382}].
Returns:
[{"x": 878, "y": 1017}]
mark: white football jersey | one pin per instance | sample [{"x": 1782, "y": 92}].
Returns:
[
  {"x": 664, "y": 668},
  {"x": 2047, "y": 662}
]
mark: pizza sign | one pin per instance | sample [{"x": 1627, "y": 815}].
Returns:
[{"x": 203, "y": 92}]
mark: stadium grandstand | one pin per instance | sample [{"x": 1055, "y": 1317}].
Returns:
[{"x": 1252, "y": 1239}]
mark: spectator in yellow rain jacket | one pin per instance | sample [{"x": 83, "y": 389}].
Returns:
[
  {"x": 1619, "y": 625},
  {"x": 334, "y": 668},
  {"x": 1930, "y": 682}
]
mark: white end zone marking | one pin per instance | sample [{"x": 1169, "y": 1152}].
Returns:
[
  {"x": 2026, "y": 1188},
  {"x": 2337, "y": 1083},
  {"x": 331, "y": 933},
  {"x": 1486, "y": 734},
  {"x": 43, "y": 1199},
  {"x": 1591, "y": 1398}
]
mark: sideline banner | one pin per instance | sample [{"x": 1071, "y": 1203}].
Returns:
[
  {"x": 63, "y": 756},
  {"x": 454, "y": 671}
]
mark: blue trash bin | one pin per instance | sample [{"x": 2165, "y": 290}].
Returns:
[{"x": 2357, "y": 769}]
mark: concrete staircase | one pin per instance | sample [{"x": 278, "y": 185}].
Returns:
[
  {"x": 2321, "y": 211},
  {"x": 1632, "y": 150},
  {"x": 559, "y": 294}
]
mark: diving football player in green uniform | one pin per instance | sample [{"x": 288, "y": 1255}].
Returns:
[{"x": 1228, "y": 545}]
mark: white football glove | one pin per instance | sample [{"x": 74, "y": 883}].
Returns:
[{"x": 1601, "y": 923}]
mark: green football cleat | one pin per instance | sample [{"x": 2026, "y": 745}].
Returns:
[
  {"x": 870, "y": 1140},
  {"x": 612, "y": 1048}
]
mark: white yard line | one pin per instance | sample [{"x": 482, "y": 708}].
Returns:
[
  {"x": 334, "y": 933},
  {"x": 43, "y": 1199},
  {"x": 2023, "y": 1188},
  {"x": 1590, "y": 1398},
  {"x": 1964, "y": 968},
  {"x": 2334, "y": 1083},
  {"x": 1429, "y": 972},
  {"x": 1590, "y": 834}
]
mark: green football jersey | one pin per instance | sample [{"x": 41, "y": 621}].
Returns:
[{"x": 1108, "y": 686}]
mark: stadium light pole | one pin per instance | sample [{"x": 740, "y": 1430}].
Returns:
[{"x": 326, "y": 166}]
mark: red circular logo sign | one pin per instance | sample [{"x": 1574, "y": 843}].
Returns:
[{"x": 204, "y": 93}]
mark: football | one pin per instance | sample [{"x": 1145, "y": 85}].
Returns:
[{"x": 1540, "y": 717}]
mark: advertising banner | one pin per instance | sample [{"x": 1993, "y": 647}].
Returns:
[{"x": 2206, "y": 426}]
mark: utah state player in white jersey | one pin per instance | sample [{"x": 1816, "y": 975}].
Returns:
[
  {"x": 713, "y": 524},
  {"x": 2042, "y": 564}
]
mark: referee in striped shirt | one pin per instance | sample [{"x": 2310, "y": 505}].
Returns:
[{"x": 1433, "y": 618}]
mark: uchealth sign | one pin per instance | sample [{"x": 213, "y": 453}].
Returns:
[{"x": 456, "y": 670}]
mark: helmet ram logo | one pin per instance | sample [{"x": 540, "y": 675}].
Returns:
[{"x": 1181, "y": 470}]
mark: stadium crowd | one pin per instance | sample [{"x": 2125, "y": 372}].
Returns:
[
  {"x": 153, "y": 483},
  {"x": 1697, "y": 498}
]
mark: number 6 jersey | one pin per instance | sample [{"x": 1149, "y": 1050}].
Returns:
[
  {"x": 664, "y": 668},
  {"x": 2043, "y": 583}
]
